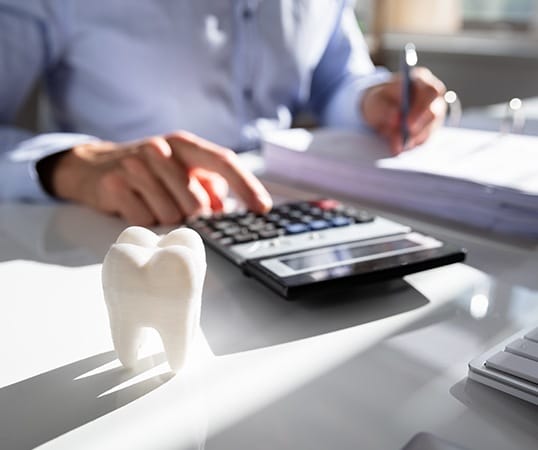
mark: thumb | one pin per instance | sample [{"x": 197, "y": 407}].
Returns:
[{"x": 380, "y": 107}]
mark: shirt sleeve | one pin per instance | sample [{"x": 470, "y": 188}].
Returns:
[
  {"x": 343, "y": 74},
  {"x": 19, "y": 180},
  {"x": 29, "y": 46}
]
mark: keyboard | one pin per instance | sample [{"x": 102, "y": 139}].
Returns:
[{"x": 511, "y": 366}]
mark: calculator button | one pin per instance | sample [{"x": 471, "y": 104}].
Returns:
[
  {"x": 295, "y": 228},
  {"x": 350, "y": 211},
  {"x": 268, "y": 234},
  {"x": 216, "y": 235},
  {"x": 326, "y": 204},
  {"x": 318, "y": 225},
  {"x": 232, "y": 231},
  {"x": 226, "y": 241},
  {"x": 257, "y": 226},
  {"x": 341, "y": 221},
  {"x": 359, "y": 215},
  {"x": 295, "y": 214},
  {"x": 363, "y": 217},
  {"x": 246, "y": 221},
  {"x": 304, "y": 206},
  {"x": 282, "y": 209},
  {"x": 273, "y": 217},
  {"x": 307, "y": 219},
  {"x": 245, "y": 237},
  {"x": 223, "y": 225}
]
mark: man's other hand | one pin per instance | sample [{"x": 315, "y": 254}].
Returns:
[{"x": 381, "y": 106}]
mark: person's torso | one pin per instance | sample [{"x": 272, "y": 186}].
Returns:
[{"x": 220, "y": 69}]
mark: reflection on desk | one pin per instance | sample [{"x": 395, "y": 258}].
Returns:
[
  {"x": 327, "y": 368},
  {"x": 412, "y": 382}
]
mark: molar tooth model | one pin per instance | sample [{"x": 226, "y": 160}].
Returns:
[{"x": 155, "y": 282}]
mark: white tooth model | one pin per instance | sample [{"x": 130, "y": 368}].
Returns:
[{"x": 155, "y": 282}]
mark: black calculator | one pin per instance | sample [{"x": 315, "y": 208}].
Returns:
[{"x": 314, "y": 246}]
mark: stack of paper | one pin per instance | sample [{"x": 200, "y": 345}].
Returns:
[{"x": 475, "y": 177}]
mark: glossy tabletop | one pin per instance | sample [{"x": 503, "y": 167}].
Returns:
[{"x": 365, "y": 368}]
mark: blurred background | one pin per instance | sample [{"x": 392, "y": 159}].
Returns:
[{"x": 485, "y": 50}]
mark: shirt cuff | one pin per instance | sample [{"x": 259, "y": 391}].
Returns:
[
  {"x": 19, "y": 177},
  {"x": 343, "y": 111}
]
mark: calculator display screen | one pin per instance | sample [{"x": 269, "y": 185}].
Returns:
[{"x": 344, "y": 253}]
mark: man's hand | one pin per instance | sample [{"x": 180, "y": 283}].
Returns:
[
  {"x": 159, "y": 180},
  {"x": 381, "y": 108}
]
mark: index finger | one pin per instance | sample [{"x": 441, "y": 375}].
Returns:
[{"x": 194, "y": 151}]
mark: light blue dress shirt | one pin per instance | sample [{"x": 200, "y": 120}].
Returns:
[{"x": 226, "y": 70}]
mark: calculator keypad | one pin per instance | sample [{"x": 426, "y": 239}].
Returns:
[{"x": 282, "y": 220}]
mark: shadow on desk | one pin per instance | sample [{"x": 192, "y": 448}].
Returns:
[
  {"x": 48, "y": 405},
  {"x": 503, "y": 411},
  {"x": 240, "y": 314}
]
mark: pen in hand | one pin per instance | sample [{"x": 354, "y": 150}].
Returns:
[{"x": 408, "y": 61}]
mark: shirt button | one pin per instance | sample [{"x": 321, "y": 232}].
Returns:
[{"x": 247, "y": 14}]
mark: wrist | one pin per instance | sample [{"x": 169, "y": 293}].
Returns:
[
  {"x": 62, "y": 174},
  {"x": 46, "y": 169}
]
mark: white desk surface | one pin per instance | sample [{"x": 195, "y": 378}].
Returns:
[{"x": 368, "y": 370}]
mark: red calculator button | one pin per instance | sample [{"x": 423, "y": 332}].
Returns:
[{"x": 326, "y": 204}]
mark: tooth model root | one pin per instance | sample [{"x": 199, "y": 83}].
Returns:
[
  {"x": 154, "y": 282},
  {"x": 127, "y": 339}
]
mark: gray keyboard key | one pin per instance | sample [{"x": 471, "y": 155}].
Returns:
[
  {"x": 501, "y": 368},
  {"x": 524, "y": 347},
  {"x": 518, "y": 366},
  {"x": 532, "y": 335},
  {"x": 245, "y": 237}
]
